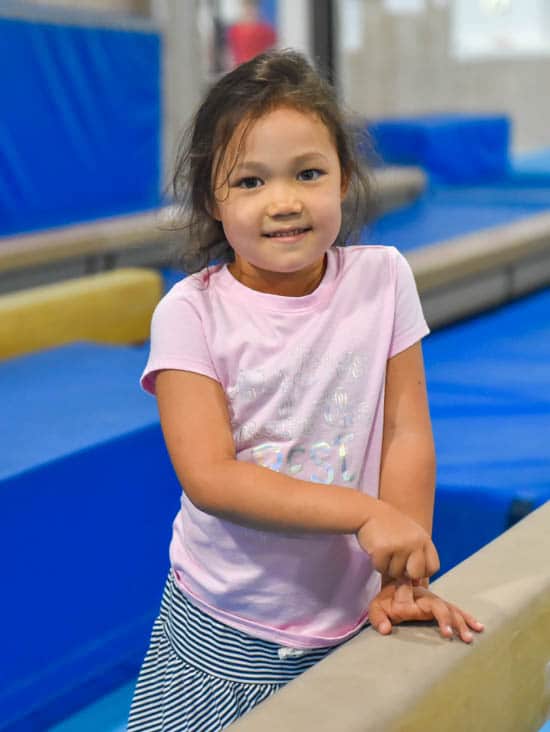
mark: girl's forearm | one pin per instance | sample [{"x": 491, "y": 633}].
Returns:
[
  {"x": 407, "y": 476},
  {"x": 264, "y": 499},
  {"x": 261, "y": 498},
  {"x": 407, "y": 480}
]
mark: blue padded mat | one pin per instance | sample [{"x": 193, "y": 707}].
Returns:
[
  {"x": 442, "y": 213},
  {"x": 59, "y": 401},
  {"x": 87, "y": 497},
  {"x": 537, "y": 161},
  {"x": 81, "y": 123},
  {"x": 452, "y": 148},
  {"x": 489, "y": 387}
]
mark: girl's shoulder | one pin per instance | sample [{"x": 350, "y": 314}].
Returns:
[
  {"x": 197, "y": 280},
  {"x": 380, "y": 270},
  {"x": 379, "y": 260},
  {"x": 181, "y": 286},
  {"x": 186, "y": 297},
  {"x": 369, "y": 252}
]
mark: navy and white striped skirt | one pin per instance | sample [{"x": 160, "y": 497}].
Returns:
[{"x": 200, "y": 675}]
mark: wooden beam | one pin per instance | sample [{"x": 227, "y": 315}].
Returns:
[{"x": 414, "y": 680}]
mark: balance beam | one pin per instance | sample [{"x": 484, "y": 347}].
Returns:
[
  {"x": 111, "y": 307},
  {"x": 473, "y": 272},
  {"x": 414, "y": 680}
]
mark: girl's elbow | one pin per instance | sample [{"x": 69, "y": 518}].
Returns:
[
  {"x": 198, "y": 493},
  {"x": 202, "y": 490}
]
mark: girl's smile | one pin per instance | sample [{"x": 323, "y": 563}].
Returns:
[
  {"x": 290, "y": 235},
  {"x": 278, "y": 197}
]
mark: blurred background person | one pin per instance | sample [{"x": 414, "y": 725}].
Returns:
[{"x": 250, "y": 35}]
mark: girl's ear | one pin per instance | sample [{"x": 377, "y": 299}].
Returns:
[
  {"x": 344, "y": 185},
  {"x": 214, "y": 210}
]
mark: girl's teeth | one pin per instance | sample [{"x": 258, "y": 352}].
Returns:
[{"x": 294, "y": 232}]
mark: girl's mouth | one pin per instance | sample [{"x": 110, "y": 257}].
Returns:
[{"x": 287, "y": 233}]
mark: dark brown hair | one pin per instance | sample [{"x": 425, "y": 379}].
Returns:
[{"x": 271, "y": 80}]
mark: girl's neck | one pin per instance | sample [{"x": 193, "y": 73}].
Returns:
[{"x": 286, "y": 284}]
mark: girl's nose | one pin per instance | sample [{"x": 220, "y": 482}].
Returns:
[{"x": 284, "y": 203}]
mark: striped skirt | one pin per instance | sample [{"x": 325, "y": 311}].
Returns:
[{"x": 200, "y": 675}]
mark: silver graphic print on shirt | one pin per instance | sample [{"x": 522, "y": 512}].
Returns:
[{"x": 330, "y": 396}]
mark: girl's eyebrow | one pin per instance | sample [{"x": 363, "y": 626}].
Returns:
[{"x": 257, "y": 167}]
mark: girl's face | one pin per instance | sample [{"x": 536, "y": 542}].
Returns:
[{"x": 281, "y": 205}]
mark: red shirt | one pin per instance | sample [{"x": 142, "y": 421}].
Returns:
[{"x": 247, "y": 40}]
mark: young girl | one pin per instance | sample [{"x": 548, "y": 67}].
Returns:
[{"x": 290, "y": 385}]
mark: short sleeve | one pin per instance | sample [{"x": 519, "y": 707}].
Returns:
[
  {"x": 409, "y": 324},
  {"x": 178, "y": 341}
]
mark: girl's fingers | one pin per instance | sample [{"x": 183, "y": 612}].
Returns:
[
  {"x": 463, "y": 632},
  {"x": 379, "y": 620},
  {"x": 451, "y": 618},
  {"x": 404, "y": 593},
  {"x": 381, "y": 562},
  {"x": 444, "y": 617},
  {"x": 432, "y": 560},
  {"x": 416, "y": 565},
  {"x": 470, "y": 620},
  {"x": 396, "y": 567}
]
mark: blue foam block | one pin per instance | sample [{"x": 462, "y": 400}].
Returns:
[
  {"x": 87, "y": 497},
  {"x": 453, "y": 148}
]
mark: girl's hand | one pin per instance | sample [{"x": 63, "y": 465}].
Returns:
[
  {"x": 400, "y": 601},
  {"x": 398, "y": 546}
]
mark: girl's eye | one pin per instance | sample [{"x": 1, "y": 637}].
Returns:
[
  {"x": 249, "y": 182},
  {"x": 310, "y": 174}
]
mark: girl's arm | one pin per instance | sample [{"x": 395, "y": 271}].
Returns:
[
  {"x": 197, "y": 431},
  {"x": 407, "y": 475},
  {"x": 407, "y": 482}
]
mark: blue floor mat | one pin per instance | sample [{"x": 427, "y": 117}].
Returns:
[
  {"x": 108, "y": 714},
  {"x": 81, "y": 418},
  {"x": 445, "y": 212},
  {"x": 489, "y": 385},
  {"x": 537, "y": 161}
]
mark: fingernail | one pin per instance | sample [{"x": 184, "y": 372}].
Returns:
[
  {"x": 468, "y": 636},
  {"x": 448, "y": 630}
]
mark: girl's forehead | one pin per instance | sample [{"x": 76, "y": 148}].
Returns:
[{"x": 281, "y": 124}]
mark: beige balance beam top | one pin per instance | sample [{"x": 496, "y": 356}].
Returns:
[
  {"x": 439, "y": 265},
  {"x": 105, "y": 236},
  {"x": 415, "y": 681},
  {"x": 111, "y": 307}
]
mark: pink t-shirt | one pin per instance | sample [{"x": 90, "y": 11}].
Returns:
[{"x": 304, "y": 379}]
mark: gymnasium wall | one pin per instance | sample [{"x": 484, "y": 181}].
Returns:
[{"x": 404, "y": 64}]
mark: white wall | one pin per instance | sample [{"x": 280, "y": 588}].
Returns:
[{"x": 406, "y": 64}]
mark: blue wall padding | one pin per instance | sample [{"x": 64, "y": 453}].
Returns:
[
  {"x": 453, "y": 148},
  {"x": 81, "y": 123},
  {"x": 88, "y": 496}
]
